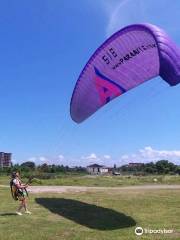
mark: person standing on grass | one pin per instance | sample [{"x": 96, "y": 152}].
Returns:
[{"x": 19, "y": 192}]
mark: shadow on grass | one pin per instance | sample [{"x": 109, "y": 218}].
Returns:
[
  {"x": 86, "y": 214},
  {"x": 8, "y": 214}
]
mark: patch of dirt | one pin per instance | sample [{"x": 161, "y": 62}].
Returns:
[{"x": 76, "y": 189}]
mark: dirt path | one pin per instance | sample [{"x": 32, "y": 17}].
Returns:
[{"x": 62, "y": 189}]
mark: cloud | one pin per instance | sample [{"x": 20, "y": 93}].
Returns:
[
  {"x": 148, "y": 154},
  {"x": 32, "y": 159},
  {"x": 14, "y": 161},
  {"x": 38, "y": 160},
  {"x": 92, "y": 156},
  {"x": 43, "y": 159},
  {"x": 61, "y": 157},
  {"x": 124, "y": 157},
  {"x": 122, "y": 13},
  {"x": 57, "y": 160},
  {"x": 125, "y": 12},
  {"x": 144, "y": 155}
]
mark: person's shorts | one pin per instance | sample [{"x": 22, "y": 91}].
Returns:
[{"x": 21, "y": 194}]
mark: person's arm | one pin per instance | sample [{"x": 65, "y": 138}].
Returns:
[{"x": 19, "y": 186}]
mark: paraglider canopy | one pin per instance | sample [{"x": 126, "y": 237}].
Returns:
[{"x": 128, "y": 58}]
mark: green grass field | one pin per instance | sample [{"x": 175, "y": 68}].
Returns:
[
  {"x": 105, "y": 215},
  {"x": 102, "y": 181}
]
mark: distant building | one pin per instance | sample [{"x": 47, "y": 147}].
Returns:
[
  {"x": 5, "y": 159},
  {"x": 135, "y": 164},
  {"x": 97, "y": 169}
]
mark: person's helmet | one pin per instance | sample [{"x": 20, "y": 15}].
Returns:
[{"x": 13, "y": 174}]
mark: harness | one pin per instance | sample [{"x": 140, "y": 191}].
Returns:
[{"x": 16, "y": 192}]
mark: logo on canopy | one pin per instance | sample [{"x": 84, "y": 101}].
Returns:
[{"x": 107, "y": 88}]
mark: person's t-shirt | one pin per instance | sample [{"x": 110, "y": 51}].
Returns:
[{"x": 16, "y": 182}]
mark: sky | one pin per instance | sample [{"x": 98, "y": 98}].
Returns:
[{"x": 44, "y": 46}]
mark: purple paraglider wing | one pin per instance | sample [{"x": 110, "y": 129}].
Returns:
[{"x": 128, "y": 58}]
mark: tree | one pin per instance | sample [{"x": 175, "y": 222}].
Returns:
[
  {"x": 30, "y": 165},
  {"x": 150, "y": 168},
  {"x": 177, "y": 170},
  {"x": 164, "y": 167},
  {"x": 44, "y": 168}
]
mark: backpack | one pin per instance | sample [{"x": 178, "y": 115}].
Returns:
[{"x": 14, "y": 190}]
